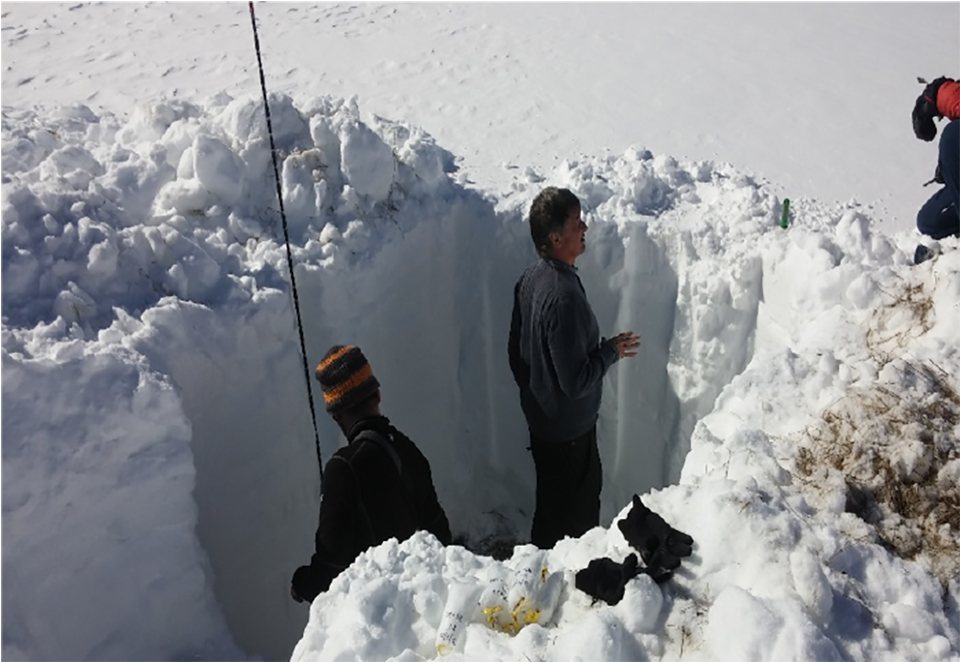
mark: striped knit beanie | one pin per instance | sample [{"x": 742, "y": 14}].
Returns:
[{"x": 346, "y": 378}]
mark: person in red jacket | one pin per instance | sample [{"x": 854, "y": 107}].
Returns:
[{"x": 938, "y": 218}]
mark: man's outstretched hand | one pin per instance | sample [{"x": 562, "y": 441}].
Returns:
[{"x": 626, "y": 344}]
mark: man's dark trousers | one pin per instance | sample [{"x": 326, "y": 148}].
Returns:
[
  {"x": 569, "y": 477},
  {"x": 938, "y": 218}
]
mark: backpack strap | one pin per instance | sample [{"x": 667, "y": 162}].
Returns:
[
  {"x": 387, "y": 445},
  {"x": 382, "y": 442}
]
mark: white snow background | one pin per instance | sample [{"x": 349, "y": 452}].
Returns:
[{"x": 794, "y": 406}]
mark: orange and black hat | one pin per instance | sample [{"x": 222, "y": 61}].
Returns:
[{"x": 346, "y": 378}]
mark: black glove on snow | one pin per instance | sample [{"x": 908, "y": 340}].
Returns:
[
  {"x": 926, "y": 109},
  {"x": 604, "y": 579},
  {"x": 660, "y": 545}
]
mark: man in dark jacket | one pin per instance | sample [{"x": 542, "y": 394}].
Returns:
[
  {"x": 377, "y": 487},
  {"x": 558, "y": 360}
]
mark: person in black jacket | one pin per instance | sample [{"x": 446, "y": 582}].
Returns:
[
  {"x": 377, "y": 487},
  {"x": 558, "y": 360}
]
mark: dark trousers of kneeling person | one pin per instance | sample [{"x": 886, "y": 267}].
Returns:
[
  {"x": 569, "y": 478},
  {"x": 938, "y": 218}
]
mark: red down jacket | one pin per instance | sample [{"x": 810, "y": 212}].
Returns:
[{"x": 948, "y": 99}]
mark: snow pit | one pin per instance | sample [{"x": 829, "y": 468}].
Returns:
[{"x": 144, "y": 264}]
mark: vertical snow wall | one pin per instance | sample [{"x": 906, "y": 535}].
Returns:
[{"x": 187, "y": 268}]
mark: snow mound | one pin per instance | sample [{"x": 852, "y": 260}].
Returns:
[{"x": 149, "y": 340}]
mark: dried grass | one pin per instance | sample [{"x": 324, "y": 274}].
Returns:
[{"x": 856, "y": 442}]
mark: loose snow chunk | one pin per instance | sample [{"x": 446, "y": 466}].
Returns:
[
  {"x": 151, "y": 120},
  {"x": 325, "y": 139},
  {"x": 73, "y": 163},
  {"x": 78, "y": 112},
  {"x": 298, "y": 178},
  {"x": 102, "y": 259},
  {"x": 358, "y": 235},
  {"x": 912, "y": 459},
  {"x": 743, "y": 627},
  {"x": 811, "y": 584},
  {"x": 725, "y": 633},
  {"x": 599, "y": 636},
  {"x": 177, "y": 280},
  {"x": 908, "y": 621},
  {"x": 178, "y": 138},
  {"x": 244, "y": 121},
  {"x": 329, "y": 234},
  {"x": 74, "y": 305},
  {"x": 641, "y": 605},
  {"x": 185, "y": 196},
  {"x": 218, "y": 168},
  {"x": 367, "y": 161},
  {"x": 185, "y": 164},
  {"x": 862, "y": 292},
  {"x": 853, "y": 232},
  {"x": 949, "y": 474}
]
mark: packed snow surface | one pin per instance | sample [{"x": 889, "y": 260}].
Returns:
[
  {"x": 795, "y": 405},
  {"x": 814, "y": 97}
]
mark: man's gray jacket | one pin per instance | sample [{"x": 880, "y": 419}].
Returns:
[{"x": 556, "y": 355}]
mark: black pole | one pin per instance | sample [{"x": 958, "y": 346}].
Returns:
[{"x": 286, "y": 237}]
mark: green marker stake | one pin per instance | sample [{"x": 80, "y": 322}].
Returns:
[{"x": 786, "y": 213}]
